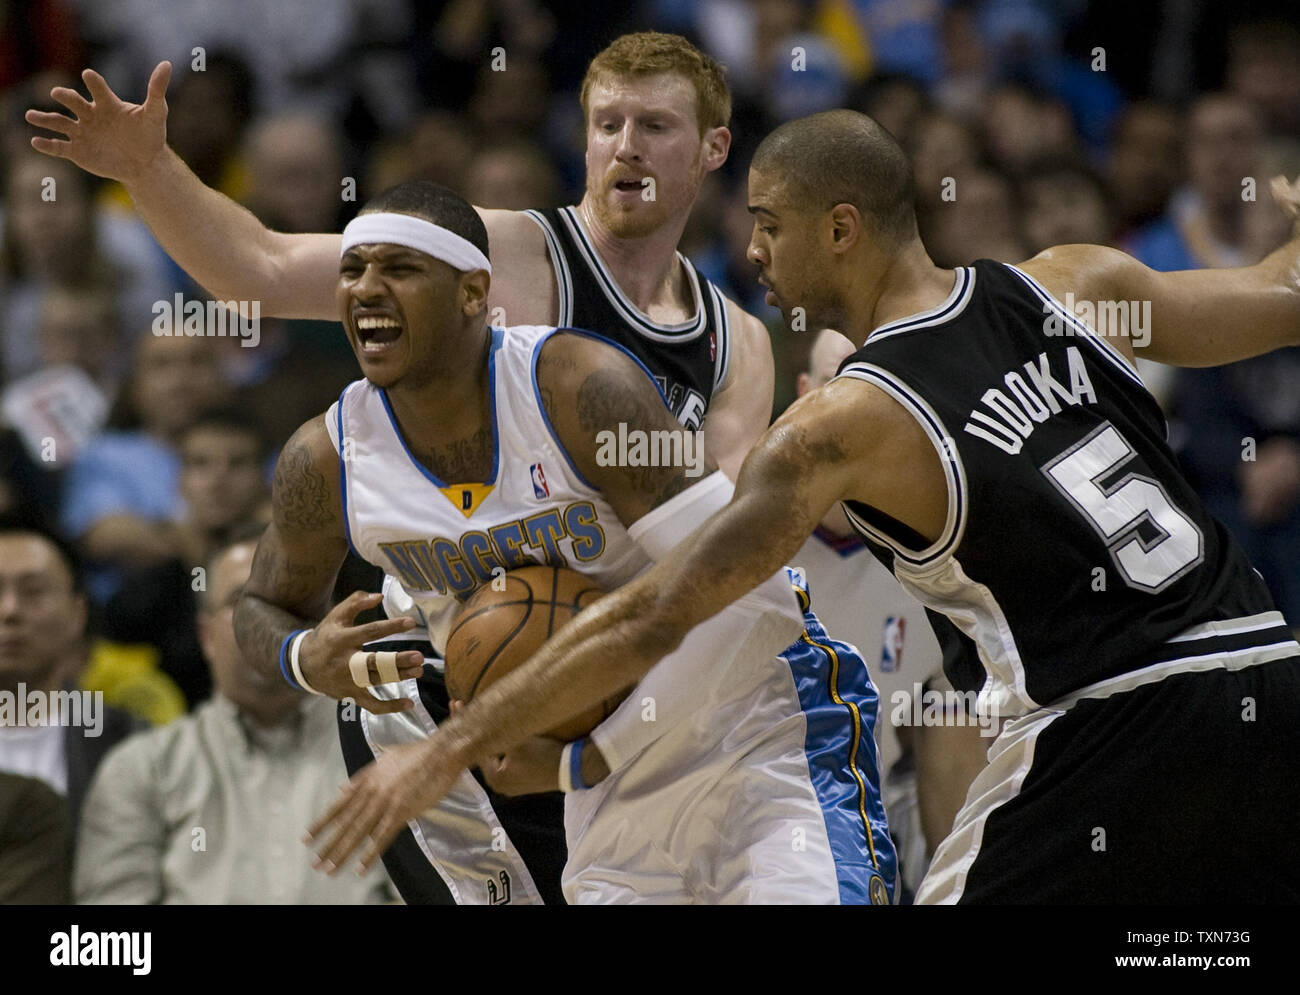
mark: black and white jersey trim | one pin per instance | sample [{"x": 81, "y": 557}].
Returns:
[
  {"x": 963, "y": 289},
  {"x": 722, "y": 358},
  {"x": 613, "y": 293},
  {"x": 954, "y": 473},
  {"x": 1081, "y": 328},
  {"x": 563, "y": 278}
]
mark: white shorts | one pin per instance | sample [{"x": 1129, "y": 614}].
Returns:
[{"x": 770, "y": 796}]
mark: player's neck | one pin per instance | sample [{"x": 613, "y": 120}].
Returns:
[
  {"x": 909, "y": 283},
  {"x": 449, "y": 405},
  {"x": 644, "y": 268}
]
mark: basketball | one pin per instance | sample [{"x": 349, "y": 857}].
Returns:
[{"x": 496, "y": 630}]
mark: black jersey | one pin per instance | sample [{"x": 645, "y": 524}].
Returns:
[
  {"x": 1074, "y": 549},
  {"x": 688, "y": 361}
]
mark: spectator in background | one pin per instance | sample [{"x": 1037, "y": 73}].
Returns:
[
  {"x": 53, "y": 236},
  {"x": 437, "y": 148},
  {"x": 223, "y": 485},
  {"x": 43, "y": 616},
  {"x": 122, "y": 496},
  {"x": 1062, "y": 202},
  {"x": 513, "y": 176},
  {"x": 942, "y": 146},
  {"x": 1237, "y": 431},
  {"x": 1145, "y": 165},
  {"x": 1264, "y": 69},
  {"x": 979, "y": 222},
  {"x": 35, "y": 843},
  {"x": 212, "y": 808},
  {"x": 207, "y": 119},
  {"x": 295, "y": 172},
  {"x": 1204, "y": 223},
  {"x": 897, "y": 103},
  {"x": 1019, "y": 126}
]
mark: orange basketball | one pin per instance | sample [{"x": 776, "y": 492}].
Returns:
[{"x": 497, "y": 630}]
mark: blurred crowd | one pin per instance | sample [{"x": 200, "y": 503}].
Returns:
[{"x": 141, "y": 458}]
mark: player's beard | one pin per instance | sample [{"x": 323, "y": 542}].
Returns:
[{"x": 643, "y": 218}]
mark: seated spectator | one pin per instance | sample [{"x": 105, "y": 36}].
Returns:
[
  {"x": 979, "y": 222},
  {"x": 1062, "y": 202},
  {"x": 295, "y": 166},
  {"x": 1145, "y": 165},
  {"x": 1204, "y": 223},
  {"x": 212, "y": 808},
  {"x": 42, "y": 641},
  {"x": 515, "y": 176},
  {"x": 223, "y": 484},
  {"x": 122, "y": 496},
  {"x": 35, "y": 845},
  {"x": 54, "y": 236}
]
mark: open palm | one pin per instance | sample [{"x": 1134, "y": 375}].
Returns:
[{"x": 106, "y": 135}]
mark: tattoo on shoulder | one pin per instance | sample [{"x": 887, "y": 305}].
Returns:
[{"x": 302, "y": 496}]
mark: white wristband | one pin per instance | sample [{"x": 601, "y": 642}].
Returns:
[
  {"x": 566, "y": 762},
  {"x": 296, "y": 666}
]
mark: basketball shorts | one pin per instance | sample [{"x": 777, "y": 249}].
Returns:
[
  {"x": 1179, "y": 791},
  {"x": 475, "y": 847},
  {"x": 770, "y": 794}
]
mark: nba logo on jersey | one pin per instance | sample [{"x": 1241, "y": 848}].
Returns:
[
  {"x": 713, "y": 347},
  {"x": 540, "y": 490},
  {"x": 891, "y": 652}
]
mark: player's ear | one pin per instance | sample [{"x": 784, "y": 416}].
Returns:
[
  {"x": 717, "y": 144},
  {"x": 474, "y": 292},
  {"x": 845, "y": 227}
]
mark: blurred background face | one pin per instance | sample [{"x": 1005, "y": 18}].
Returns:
[
  {"x": 175, "y": 378},
  {"x": 1223, "y": 144},
  {"x": 41, "y": 615},
  {"x": 830, "y": 348},
  {"x": 1064, "y": 209},
  {"x": 643, "y": 126},
  {"x": 513, "y": 178},
  {"x": 979, "y": 223},
  {"x": 221, "y": 476},
  {"x": 295, "y": 165},
  {"x": 50, "y": 236},
  {"x": 1146, "y": 163},
  {"x": 943, "y": 147},
  {"x": 80, "y": 329},
  {"x": 231, "y": 675}
]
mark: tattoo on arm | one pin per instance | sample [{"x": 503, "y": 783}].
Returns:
[{"x": 301, "y": 492}]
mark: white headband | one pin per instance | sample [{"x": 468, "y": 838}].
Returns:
[{"x": 415, "y": 233}]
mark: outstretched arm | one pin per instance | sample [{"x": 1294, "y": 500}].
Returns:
[
  {"x": 1198, "y": 317},
  {"x": 219, "y": 243}
]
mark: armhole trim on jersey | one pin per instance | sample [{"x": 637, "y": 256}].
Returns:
[
  {"x": 1082, "y": 329},
  {"x": 722, "y": 343},
  {"x": 963, "y": 289},
  {"x": 953, "y": 471},
  {"x": 560, "y": 265},
  {"x": 537, "y": 392},
  {"x": 685, "y": 331},
  {"x": 343, "y": 468}
]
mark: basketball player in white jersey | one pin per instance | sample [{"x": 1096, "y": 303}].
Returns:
[
  {"x": 430, "y": 466},
  {"x": 1157, "y": 713}
]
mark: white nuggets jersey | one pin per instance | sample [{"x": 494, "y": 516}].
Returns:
[{"x": 442, "y": 539}]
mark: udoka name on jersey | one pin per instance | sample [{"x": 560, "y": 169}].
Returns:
[
  {"x": 442, "y": 539},
  {"x": 1074, "y": 550}
]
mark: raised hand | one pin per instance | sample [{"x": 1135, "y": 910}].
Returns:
[{"x": 106, "y": 135}]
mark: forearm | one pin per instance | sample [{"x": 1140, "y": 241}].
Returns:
[
  {"x": 261, "y": 629},
  {"x": 227, "y": 250}
]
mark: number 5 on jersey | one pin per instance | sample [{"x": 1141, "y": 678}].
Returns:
[{"x": 1116, "y": 510}]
